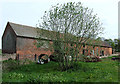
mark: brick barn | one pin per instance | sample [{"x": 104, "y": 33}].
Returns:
[{"x": 21, "y": 39}]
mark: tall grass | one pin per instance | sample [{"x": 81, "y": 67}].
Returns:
[{"x": 104, "y": 71}]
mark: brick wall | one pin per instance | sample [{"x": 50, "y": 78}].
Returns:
[
  {"x": 26, "y": 48},
  {"x": 9, "y": 41},
  {"x": 7, "y": 56},
  {"x": 97, "y": 50}
]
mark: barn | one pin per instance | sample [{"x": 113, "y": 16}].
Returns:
[{"x": 21, "y": 39}]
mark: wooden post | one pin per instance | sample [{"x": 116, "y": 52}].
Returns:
[
  {"x": 18, "y": 58},
  {"x": 39, "y": 58}
]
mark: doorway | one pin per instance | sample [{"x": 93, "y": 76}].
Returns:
[{"x": 102, "y": 53}]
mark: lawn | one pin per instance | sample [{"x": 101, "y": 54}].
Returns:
[{"x": 104, "y": 71}]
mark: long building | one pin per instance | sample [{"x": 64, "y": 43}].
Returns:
[{"x": 21, "y": 39}]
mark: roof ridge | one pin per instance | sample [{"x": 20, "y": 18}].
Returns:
[
  {"x": 21, "y": 25},
  {"x": 29, "y": 31}
]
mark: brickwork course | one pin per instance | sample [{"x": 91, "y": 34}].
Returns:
[{"x": 21, "y": 39}]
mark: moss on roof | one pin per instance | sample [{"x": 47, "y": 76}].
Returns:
[{"x": 34, "y": 32}]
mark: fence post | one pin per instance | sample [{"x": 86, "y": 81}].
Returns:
[
  {"x": 18, "y": 58},
  {"x": 39, "y": 58}
]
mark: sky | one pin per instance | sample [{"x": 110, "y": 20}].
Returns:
[{"x": 28, "y": 12}]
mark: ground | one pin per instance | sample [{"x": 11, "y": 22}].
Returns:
[{"x": 104, "y": 71}]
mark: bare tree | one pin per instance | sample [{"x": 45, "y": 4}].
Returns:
[{"x": 69, "y": 26}]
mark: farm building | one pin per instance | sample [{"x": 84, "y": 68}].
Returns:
[{"x": 21, "y": 39}]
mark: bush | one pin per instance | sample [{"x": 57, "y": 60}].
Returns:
[
  {"x": 16, "y": 75},
  {"x": 26, "y": 61},
  {"x": 10, "y": 64},
  {"x": 92, "y": 59},
  {"x": 10, "y": 59},
  {"x": 54, "y": 58}
]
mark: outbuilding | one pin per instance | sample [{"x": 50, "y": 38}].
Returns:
[{"x": 20, "y": 40}]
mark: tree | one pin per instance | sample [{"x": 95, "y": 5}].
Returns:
[
  {"x": 110, "y": 42},
  {"x": 70, "y": 25},
  {"x": 113, "y": 43},
  {"x": 118, "y": 45}
]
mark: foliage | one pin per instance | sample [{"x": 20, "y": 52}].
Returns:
[
  {"x": 9, "y": 65},
  {"x": 111, "y": 42},
  {"x": 114, "y": 44},
  {"x": 68, "y": 26},
  {"x": 92, "y": 59},
  {"x": 118, "y": 45},
  {"x": 26, "y": 61},
  {"x": 84, "y": 72}
]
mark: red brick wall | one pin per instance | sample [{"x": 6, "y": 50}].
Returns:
[
  {"x": 26, "y": 48},
  {"x": 107, "y": 51}
]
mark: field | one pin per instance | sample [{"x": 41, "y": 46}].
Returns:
[{"x": 104, "y": 71}]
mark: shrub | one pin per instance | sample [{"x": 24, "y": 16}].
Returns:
[
  {"x": 26, "y": 61},
  {"x": 9, "y": 65},
  {"x": 16, "y": 75},
  {"x": 91, "y": 59},
  {"x": 10, "y": 59}
]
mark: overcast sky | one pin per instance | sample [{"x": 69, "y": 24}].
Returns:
[{"x": 28, "y": 12}]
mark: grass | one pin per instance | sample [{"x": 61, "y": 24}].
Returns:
[{"x": 104, "y": 71}]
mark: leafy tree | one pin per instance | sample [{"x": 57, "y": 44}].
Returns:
[
  {"x": 113, "y": 43},
  {"x": 116, "y": 42},
  {"x": 68, "y": 26},
  {"x": 118, "y": 45},
  {"x": 99, "y": 39}
]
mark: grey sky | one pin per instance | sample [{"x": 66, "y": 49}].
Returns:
[{"x": 28, "y": 12}]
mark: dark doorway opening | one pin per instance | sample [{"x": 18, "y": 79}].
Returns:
[
  {"x": 102, "y": 53},
  {"x": 40, "y": 56},
  {"x": 83, "y": 52}
]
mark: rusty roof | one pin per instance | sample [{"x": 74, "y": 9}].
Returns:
[{"x": 32, "y": 32}]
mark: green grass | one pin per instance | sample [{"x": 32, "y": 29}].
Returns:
[{"x": 104, "y": 71}]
